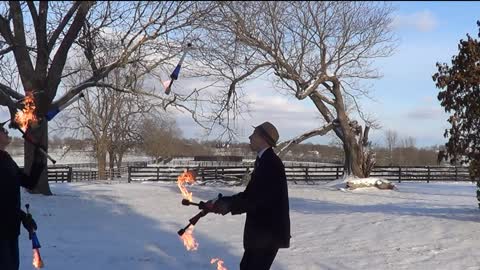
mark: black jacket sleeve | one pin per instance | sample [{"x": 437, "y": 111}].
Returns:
[{"x": 238, "y": 203}]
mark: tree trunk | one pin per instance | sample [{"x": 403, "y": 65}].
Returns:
[
  {"x": 101, "y": 161},
  {"x": 119, "y": 163},
  {"x": 119, "y": 160},
  {"x": 39, "y": 135},
  {"x": 353, "y": 157},
  {"x": 111, "y": 163}
]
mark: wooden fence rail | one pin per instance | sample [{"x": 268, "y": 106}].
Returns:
[
  {"x": 302, "y": 173},
  {"x": 239, "y": 173}
]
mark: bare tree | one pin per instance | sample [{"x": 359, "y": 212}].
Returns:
[
  {"x": 112, "y": 119},
  {"x": 149, "y": 32},
  {"x": 391, "y": 139},
  {"x": 160, "y": 137},
  {"x": 408, "y": 142},
  {"x": 316, "y": 50}
]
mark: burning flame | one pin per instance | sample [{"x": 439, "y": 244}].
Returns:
[
  {"x": 185, "y": 177},
  {"x": 219, "y": 263},
  {"x": 37, "y": 260},
  {"x": 188, "y": 240},
  {"x": 26, "y": 117}
]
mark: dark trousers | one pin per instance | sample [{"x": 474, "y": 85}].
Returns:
[
  {"x": 9, "y": 255},
  {"x": 258, "y": 259}
]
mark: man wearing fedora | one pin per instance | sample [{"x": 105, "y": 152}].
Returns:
[
  {"x": 265, "y": 200},
  {"x": 12, "y": 177}
]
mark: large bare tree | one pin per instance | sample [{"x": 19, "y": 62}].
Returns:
[
  {"x": 40, "y": 36},
  {"x": 316, "y": 50}
]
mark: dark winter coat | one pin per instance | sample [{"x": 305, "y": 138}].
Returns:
[
  {"x": 265, "y": 200},
  {"x": 12, "y": 177}
]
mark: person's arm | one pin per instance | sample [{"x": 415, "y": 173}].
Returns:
[
  {"x": 238, "y": 203},
  {"x": 263, "y": 197}
]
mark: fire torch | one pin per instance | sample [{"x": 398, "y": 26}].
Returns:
[
  {"x": 176, "y": 71},
  {"x": 52, "y": 113},
  {"x": 29, "y": 139},
  {"x": 201, "y": 205},
  {"x": 40, "y": 147},
  {"x": 24, "y": 119},
  {"x": 37, "y": 259}
]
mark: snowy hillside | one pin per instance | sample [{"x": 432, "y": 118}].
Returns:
[{"x": 134, "y": 226}]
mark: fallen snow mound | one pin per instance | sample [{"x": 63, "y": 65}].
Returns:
[
  {"x": 369, "y": 182},
  {"x": 356, "y": 183}
]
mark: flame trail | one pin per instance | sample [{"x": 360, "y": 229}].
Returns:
[
  {"x": 186, "y": 177},
  {"x": 219, "y": 263},
  {"x": 188, "y": 239},
  {"x": 26, "y": 117},
  {"x": 37, "y": 259}
]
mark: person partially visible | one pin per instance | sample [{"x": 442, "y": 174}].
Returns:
[{"x": 12, "y": 178}]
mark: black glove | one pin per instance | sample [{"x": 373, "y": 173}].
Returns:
[
  {"x": 219, "y": 206},
  {"x": 28, "y": 223}
]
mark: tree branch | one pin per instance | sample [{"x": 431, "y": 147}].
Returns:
[
  {"x": 9, "y": 91},
  {"x": 60, "y": 57},
  {"x": 284, "y": 146},
  {"x": 22, "y": 57},
  {"x": 62, "y": 25},
  {"x": 41, "y": 35},
  {"x": 6, "y": 31}
]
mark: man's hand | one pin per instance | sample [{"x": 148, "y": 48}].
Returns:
[
  {"x": 219, "y": 206},
  {"x": 28, "y": 223}
]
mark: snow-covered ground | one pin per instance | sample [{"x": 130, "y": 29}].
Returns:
[{"x": 134, "y": 226}]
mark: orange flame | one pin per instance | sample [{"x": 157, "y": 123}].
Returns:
[
  {"x": 219, "y": 263},
  {"x": 186, "y": 177},
  {"x": 37, "y": 260},
  {"x": 188, "y": 240},
  {"x": 26, "y": 117}
]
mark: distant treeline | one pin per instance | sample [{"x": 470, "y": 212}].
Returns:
[{"x": 308, "y": 152}]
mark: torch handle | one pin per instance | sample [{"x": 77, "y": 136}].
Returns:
[
  {"x": 42, "y": 150},
  {"x": 193, "y": 221},
  {"x": 187, "y": 202},
  {"x": 47, "y": 155},
  {"x": 198, "y": 216}
]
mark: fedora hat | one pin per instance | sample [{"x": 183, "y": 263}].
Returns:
[{"x": 269, "y": 132}]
